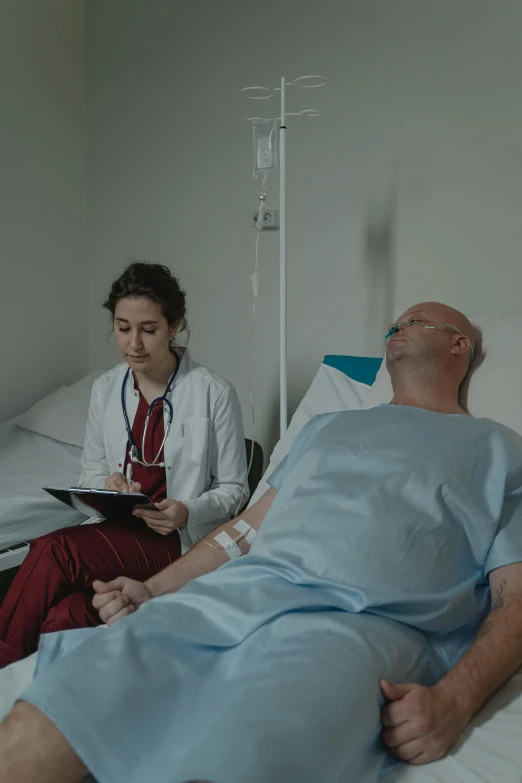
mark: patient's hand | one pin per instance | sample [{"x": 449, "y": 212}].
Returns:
[
  {"x": 118, "y": 598},
  {"x": 420, "y": 724}
]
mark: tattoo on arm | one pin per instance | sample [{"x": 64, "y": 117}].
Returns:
[
  {"x": 498, "y": 601},
  {"x": 496, "y": 604}
]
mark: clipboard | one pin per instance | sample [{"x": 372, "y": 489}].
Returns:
[{"x": 106, "y": 502}]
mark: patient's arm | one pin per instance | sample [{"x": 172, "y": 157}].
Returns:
[
  {"x": 496, "y": 652},
  {"x": 204, "y": 558},
  {"x": 122, "y": 596},
  {"x": 423, "y": 724}
]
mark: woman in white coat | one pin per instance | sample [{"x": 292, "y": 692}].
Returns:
[{"x": 161, "y": 423}]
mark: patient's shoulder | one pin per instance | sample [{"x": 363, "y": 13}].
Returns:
[
  {"x": 501, "y": 442},
  {"x": 322, "y": 419},
  {"x": 505, "y": 432}
]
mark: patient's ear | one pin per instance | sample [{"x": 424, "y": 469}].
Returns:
[{"x": 460, "y": 344}]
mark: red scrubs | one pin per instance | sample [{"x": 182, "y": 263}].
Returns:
[{"x": 52, "y": 591}]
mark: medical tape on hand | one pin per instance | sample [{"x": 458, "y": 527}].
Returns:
[
  {"x": 244, "y": 528},
  {"x": 229, "y": 545}
]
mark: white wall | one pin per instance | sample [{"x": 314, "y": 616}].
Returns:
[
  {"x": 42, "y": 198},
  {"x": 409, "y": 182}
]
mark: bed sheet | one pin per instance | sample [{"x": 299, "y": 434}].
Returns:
[
  {"x": 29, "y": 462},
  {"x": 489, "y": 751}
]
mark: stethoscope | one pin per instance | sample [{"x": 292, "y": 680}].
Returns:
[{"x": 164, "y": 400}]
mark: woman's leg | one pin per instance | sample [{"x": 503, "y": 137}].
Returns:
[
  {"x": 75, "y": 611},
  {"x": 68, "y": 561}
]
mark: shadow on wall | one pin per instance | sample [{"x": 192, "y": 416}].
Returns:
[
  {"x": 379, "y": 268},
  {"x": 379, "y": 263}
]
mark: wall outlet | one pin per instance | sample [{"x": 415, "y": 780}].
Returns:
[{"x": 270, "y": 219}]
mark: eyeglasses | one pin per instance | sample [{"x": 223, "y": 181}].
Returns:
[{"x": 396, "y": 327}]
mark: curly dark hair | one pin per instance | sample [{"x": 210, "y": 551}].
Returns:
[{"x": 153, "y": 281}]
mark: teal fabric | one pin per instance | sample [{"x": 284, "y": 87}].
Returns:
[{"x": 360, "y": 368}]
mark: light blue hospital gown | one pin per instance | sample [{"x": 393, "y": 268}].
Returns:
[{"x": 371, "y": 563}]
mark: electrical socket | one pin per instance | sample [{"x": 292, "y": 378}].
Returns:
[{"x": 270, "y": 219}]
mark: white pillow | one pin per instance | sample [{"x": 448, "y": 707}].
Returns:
[
  {"x": 495, "y": 387},
  {"x": 330, "y": 390},
  {"x": 63, "y": 414}
]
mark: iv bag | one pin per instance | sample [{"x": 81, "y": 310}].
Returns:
[{"x": 265, "y": 152}]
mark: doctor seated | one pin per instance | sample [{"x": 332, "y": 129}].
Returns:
[
  {"x": 387, "y": 563},
  {"x": 188, "y": 457}
]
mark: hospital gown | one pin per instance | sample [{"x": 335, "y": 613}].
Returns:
[{"x": 371, "y": 563}]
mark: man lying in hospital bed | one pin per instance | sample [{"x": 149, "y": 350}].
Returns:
[{"x": 381, "y": 541}]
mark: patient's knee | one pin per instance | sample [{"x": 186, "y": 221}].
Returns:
[
  {"x": 16, "y": 728},
  {"x": 23, "y": 718},
  {"x": 31, "y": 745}
]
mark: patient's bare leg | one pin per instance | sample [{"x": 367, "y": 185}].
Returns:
[{"x": 32, "y": 750}]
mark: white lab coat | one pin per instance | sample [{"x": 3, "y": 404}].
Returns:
[{"x": 204, "y": 454}]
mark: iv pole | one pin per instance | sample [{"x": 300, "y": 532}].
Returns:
[
  {"x": 283, "y": 364},
  {"x": 307, "y": 82}
]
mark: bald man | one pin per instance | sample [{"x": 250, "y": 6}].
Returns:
[{"x": 380, "y": 604}]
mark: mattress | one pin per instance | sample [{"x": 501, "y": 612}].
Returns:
[{"x": 29, "y": 462}]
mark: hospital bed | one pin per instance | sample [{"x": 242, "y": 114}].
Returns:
[
  {"x": 490, "y": 749},
  {"x": 41, "y": 447},
  {"x": 28, "y": 462}
]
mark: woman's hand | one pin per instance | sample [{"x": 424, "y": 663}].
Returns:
[
  {"x": 118, "y": 483},
  {"x": 169, "y": 516}
]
